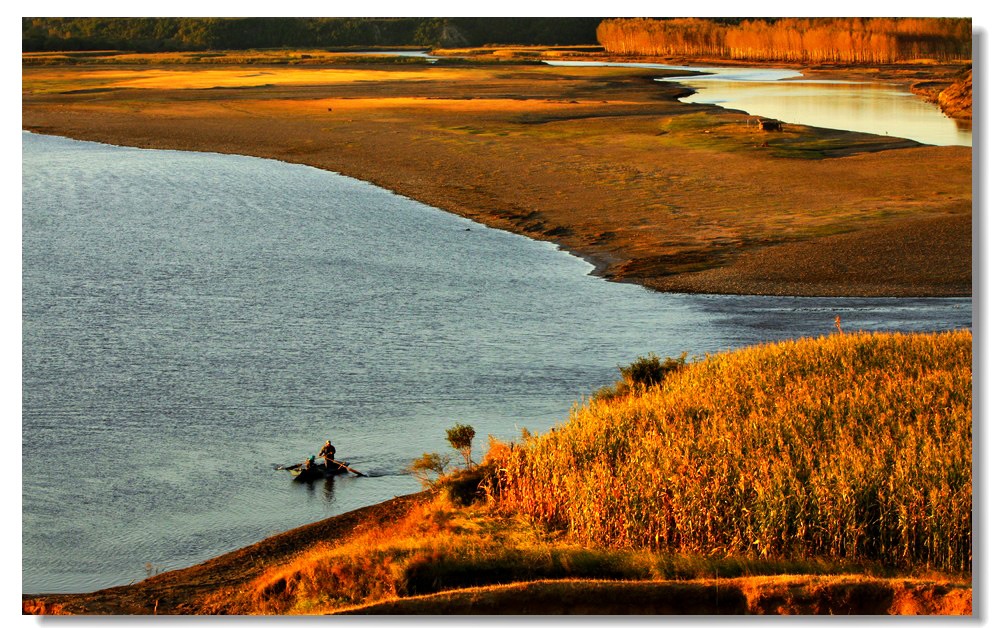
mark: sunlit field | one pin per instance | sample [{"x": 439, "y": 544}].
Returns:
[{"x": 856, "y": 446}]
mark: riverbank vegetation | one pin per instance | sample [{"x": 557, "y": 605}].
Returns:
[
  {"x": 828, "y": 475},
  {"x": 854, "y": 447},
  {"x": 797, "y": 40}
]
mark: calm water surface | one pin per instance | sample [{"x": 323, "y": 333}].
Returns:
[
  {"x": 867, "y": 107},
  {"x": 192, "y": 320}
]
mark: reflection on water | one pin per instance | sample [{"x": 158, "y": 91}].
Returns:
[
  {"x": 866, "y": 107},
  {"x": 318, "y": 489},
  {"x": 875, "y": 108}
]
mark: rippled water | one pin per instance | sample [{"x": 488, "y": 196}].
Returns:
[
  {"x": 864, "y": 106},
  {"x": 192, "y": 320}
]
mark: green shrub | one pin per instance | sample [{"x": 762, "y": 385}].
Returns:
[
  {"x": 642, "y": 373},
  {"x": 460, "y": 437},
  {"x": 650, "y": 370},
  {"x": 464, "y": 487}
]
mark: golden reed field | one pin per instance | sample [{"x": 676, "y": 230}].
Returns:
[
  {"x": 804, "y": 40},
  {"x": 856, "y": 446}
]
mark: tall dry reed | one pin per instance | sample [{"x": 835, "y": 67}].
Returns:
[
  {"x": 853, "y": 446},
  {"x": 806, "y": 40}
]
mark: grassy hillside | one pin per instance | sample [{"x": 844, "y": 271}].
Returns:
[
  {"x": 814, "y": 476},
  {"x": 855, "y": 446}
]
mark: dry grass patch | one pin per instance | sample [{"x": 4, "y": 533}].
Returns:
[{"x": 855, "y": 446}]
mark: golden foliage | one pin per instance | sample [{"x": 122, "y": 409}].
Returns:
[
  {"x": 855, "y": 446},
  {"x": 41, "y": 607},
  {"x": 806, "y": 40}
]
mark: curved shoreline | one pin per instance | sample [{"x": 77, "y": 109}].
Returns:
[
  {"x": 180, "y": 591},
  {"x": 593, "y": 173}
]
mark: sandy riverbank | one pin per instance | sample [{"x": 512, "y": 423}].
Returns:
[{"x": 603, "y": 161}]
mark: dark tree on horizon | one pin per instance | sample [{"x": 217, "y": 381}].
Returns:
[{"x": 166, "y": 34}]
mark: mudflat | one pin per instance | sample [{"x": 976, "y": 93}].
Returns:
[{"x": 603, "y": 161}]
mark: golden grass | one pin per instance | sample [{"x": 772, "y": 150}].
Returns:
[
  {"x": 227, "y": 77},
  {"x": 442, "y": 546},
  {"x": 381, "y": 564},
  {"x": 855, "y": 446}
]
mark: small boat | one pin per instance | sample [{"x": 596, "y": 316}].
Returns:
[{"x": 318, "y": 471}]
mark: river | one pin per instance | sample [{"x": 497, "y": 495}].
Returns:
[
  {"x": 191, "y": 321},
  {"x": 873, "y": 107}
]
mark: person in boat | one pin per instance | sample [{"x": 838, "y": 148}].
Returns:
[
  {"x": 308, "y": 464},
  {"x": 327, "y": 453}
]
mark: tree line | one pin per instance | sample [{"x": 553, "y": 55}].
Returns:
[
  {"x": 152, "y": 34},
  {"x": 808, "y": 40}
]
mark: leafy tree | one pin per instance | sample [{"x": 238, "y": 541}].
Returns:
[
  {"x": 430, "y": 33},
  {"x": 460, "y": 437}
]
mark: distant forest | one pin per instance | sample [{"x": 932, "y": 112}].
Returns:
[
  {"x": 804, "y": 40},
  {"x": 816, "y": 40},
  {"x": 182, "y": 34}
]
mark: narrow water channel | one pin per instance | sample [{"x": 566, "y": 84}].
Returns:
[{"x": 783, "y": 94}]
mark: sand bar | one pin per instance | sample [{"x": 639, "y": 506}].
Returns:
[{"x": 603, "y": 161}]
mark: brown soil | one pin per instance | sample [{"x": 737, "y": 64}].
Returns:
[
  {"x": 951, "y": 94},
  {"x": 888, "y": 261},
  {"x": 758, "y": 595},
  {"x": 603, "y": 161}
]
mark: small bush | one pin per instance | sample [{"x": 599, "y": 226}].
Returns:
[
  {"x": 428, "y": 468},
  {"x": 650, "y": 370},
  {"x": 460, "y": 436},
  {"x": 642, "y": 373},
  {"x": 465, "y": 487}
]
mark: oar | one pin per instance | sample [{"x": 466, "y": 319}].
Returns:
[
  {"x": 347, "y": 468},
  {"x": 290, "y": 468}
]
